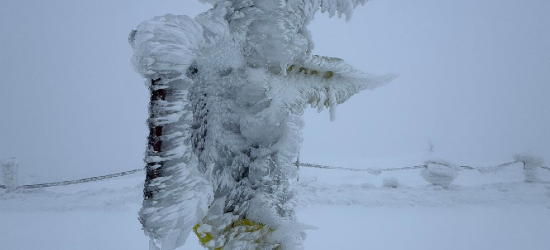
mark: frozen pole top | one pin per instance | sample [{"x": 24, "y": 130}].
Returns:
[
  {"x": 272, "y": 34},
  {"x": 340, "y": 7}
]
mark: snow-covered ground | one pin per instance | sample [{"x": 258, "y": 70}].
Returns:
[{"x": 352, "y": 210}]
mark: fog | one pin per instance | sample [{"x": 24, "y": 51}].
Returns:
[{"x": 474, "y": 80}]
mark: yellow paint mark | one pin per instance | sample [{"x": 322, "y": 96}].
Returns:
[
  {"x": 203, "y": 237},
  {"x": 328, "y": 75},
  {"x": 250, "y": 226},
  {"x": 290, "y": 68},
  {"x": 306, "y": 71}
]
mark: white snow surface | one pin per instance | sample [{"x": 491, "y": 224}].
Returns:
[{"x": 352, "y": 210}]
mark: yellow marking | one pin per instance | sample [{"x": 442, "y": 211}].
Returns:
[
  {"x": 290, "y": 68},
  {"x": 250, "y": 226},
  {"x": 328, "y": 75},
  {"x": 203, "y": 237}
]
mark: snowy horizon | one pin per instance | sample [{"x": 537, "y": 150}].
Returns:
[
  {"x": 473, "y": 80},
  {"x": 472, "y": 91}
]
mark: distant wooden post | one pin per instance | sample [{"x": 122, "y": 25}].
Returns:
[{"x": 9, "y": 170}]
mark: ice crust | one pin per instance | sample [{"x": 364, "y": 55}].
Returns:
[{"x": 238, "y": 78}]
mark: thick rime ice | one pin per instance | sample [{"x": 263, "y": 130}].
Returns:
[
  {"x": 530, "y": 165},
  {"x": 439, "y": 173},
  {"x": 228, "y": 89},
  {"x": 9, "y": 170},
  {"x": 390, "y": 182}
]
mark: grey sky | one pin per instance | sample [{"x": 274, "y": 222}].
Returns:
[{"x": 475, "y": 79}]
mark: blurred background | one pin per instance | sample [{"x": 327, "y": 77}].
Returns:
[{"x": 474, "y": 83}]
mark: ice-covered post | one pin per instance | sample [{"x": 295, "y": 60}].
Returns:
[
  {"x": 9, "y": 169},
  {"x": 531, "y": 164},
  {"x": 228, "y": 89},
  {"x": 298, "y": 168},
  {"x": 439, "y": 173}
]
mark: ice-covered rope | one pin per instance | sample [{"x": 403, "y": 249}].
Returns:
[
  {"x": 496, "y": 168},
  {"x": 374, "y": 171},
  {"x": 64, "y": 183},
  {"x": 369, "y": 170},
  {"x": 302, "y": 164},
  {"x": 482, "y": 170}
]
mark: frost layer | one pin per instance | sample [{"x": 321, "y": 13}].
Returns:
[
  {"x": 530, "y": 166},
  {"x": 439, "y": 173},
  {"x": 9, "y": 170},
  {"x": 228, "y": 89}
]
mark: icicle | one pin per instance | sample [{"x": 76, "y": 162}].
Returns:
[{"x": 332, "y": 103}]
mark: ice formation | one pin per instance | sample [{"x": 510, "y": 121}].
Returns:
[
  {"x": 9, "y": 170},
  {"x": 439, "y": 172},
  {"x": 228, "y": 89},
  {"x": 390, "y": 182},
  {"x": 530, "y": 166}
]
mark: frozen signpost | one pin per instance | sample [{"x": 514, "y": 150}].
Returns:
[{"x": 228, "y": 89}]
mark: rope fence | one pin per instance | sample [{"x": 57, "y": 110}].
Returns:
[
  {"x": 65, "y": 183},
  {"x": 373, "y": 171},
  {"x": 377, "y": 171}
]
